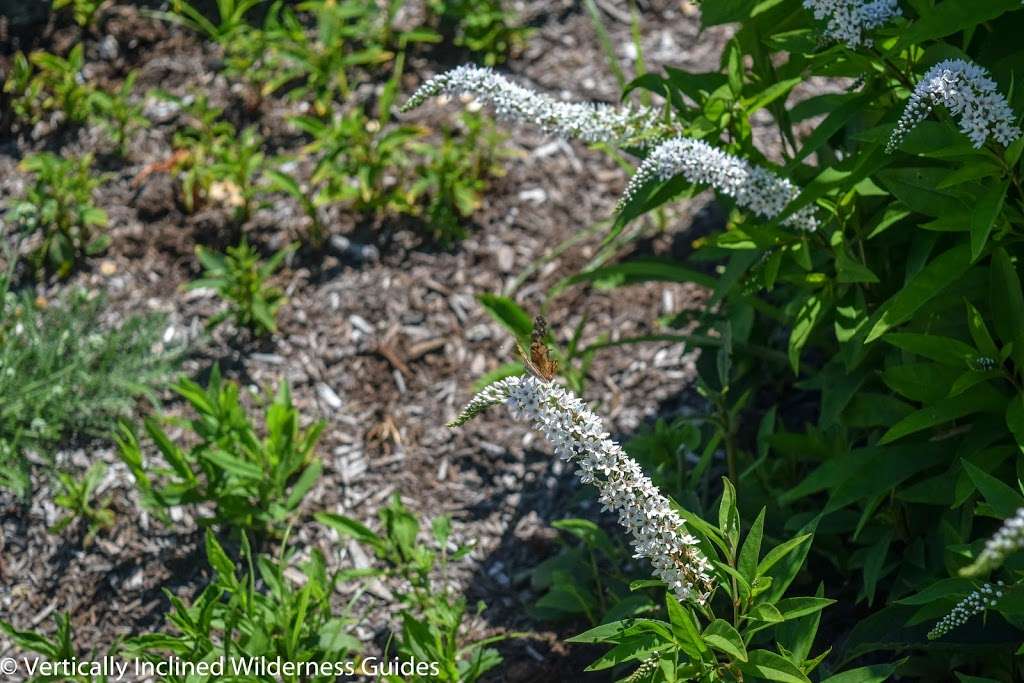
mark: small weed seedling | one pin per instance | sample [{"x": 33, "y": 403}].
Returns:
[
  {"x": 452, "y": 176},
  {"x": 77, "y": 497},
  {"x": 58, "y": 206},
  {"x": 254, "y": 483},
  {"x": 84, "y": 11},
  {"x": 44, "y": 82},
  {"x": 481, "y": 26},
  {"x": 118, "y": 115},
  {"x": 241, "y": 280}
]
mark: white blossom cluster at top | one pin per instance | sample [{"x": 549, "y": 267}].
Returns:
[
  {"x": 586, "y": 121},
  {"x": 848, "y": 21},
  {"x": 965, "y": 89},
  {"x": 576, "y": 434},
  {"x": 752, "y": 188}
]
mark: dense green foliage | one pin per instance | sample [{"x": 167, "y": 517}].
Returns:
[{"x": 862, "y": 375}]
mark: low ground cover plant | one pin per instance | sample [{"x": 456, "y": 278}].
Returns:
[{"x": 66, "y": 374}]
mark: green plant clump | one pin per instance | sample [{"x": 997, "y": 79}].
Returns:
[
  {"x": 58, "y": 210},
  {"x": 240, "y": 278},
  {"x": 255, "y": 483},
  {"x": 432, "y": 613}
]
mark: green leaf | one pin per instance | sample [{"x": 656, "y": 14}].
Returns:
[
  {"x": 612, "y": 631},
  {"x": 945, "y": 350},
  {"x": 849, "y": 270},
  {"x": 981, "y": 398},
  {"x": 684, "y": 627},
  {"x": 773, "y": 667},
  {"x": 793, "y": 608},
  {"x": 984, "y": 214},
  {"x": 507, "y": 312},
  {"x": 875, "y": 673},
  {"x": 934, "y": 278},
  {"x": 1015, "y": 419},
  {"x": 234, "y": 465},
  {"x": 769, "y": 94},
  {"x": 810, "y": 314},
  {"x": 1007, "y": 303},
  {"x": 728, "y": 517},
  {"x": 219, "y": 559},
  {"x": 306, "y": 481},
  {"x": 779, "y": 552},
  {"x": 950, "y": 17},
  {"x": 721, "y": 636},
  {"x": 1004, "y": 500},
  {"x": 348, "y": 527},
  {"x": 917, "y": 188},
  {"x": 751, "y": 550}
]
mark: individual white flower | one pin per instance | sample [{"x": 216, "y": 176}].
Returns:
[
  {"x": 586, "y": 121},
  {"x": 752, "y": 188},
  {"x": 849, "y": 20},
  {"x": 1006, "y": 541},
  {"x": 965, "y": 89},
  {"x": 977, "y": 602},
  {"x": 657, "y": 531}
]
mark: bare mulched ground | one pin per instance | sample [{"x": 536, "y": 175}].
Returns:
[{"x": 382, "y": 339}]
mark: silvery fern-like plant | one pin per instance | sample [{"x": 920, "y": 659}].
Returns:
[
  {"x": 849, "y": 21},
  {"x": 753, "y": 188},
  {"x": 970, "y": 95},
  {"x": 657, "y": 532},
  {"x": 590, "y": 122}
]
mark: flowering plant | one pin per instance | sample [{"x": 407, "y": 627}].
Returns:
[
  {"x": 691, "y": 564},
  {"x": 862, "y": 359}
]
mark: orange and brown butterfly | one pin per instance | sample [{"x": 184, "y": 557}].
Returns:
[{"x": 538, "y": 361}]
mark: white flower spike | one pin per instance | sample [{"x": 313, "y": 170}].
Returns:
[
  {"x": 965, "y": 89},
  {"x": 752, "y": 188},
  {"x": 577, "y": 435},
  {"x": 1008, "y": 540},
  {"x": 849, "y": 20},
  {"x": 977, "y": 602},
  {"x": 583, "y": 120}
]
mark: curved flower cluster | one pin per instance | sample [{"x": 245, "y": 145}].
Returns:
[
  {"x": 751, "y": 187},
  {"x": 849, "y": 20},
  {"x": 1009, "y": 539},
  {"x": 977, "y": 602},
  {"x": 587, "y": 121},
  {"x": 966, "y": 90},
  {"x": 577, "y": 434}
]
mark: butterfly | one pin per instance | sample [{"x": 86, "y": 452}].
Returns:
[{"x": 538, "y": 361}]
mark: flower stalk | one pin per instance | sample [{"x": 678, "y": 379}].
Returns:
[{"x": 657, "y": 532}]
